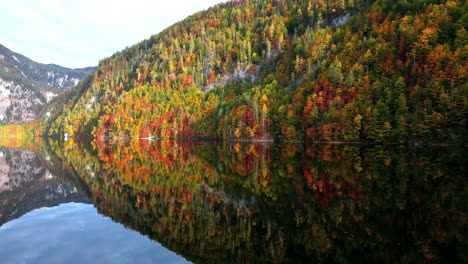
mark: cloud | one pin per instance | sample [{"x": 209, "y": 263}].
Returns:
[{"x": 78, "y": 33}]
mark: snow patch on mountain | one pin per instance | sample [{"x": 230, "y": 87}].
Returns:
[
  {"x": 49, "y": 96},
  {"x": 61, "y": 80}
]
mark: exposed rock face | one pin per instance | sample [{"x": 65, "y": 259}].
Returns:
[{"x": 26, "y": 86}]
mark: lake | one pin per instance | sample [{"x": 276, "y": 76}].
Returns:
[{"x": 168, "y": 201}]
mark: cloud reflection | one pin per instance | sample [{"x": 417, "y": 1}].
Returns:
[{"x": 76, "y": 233}]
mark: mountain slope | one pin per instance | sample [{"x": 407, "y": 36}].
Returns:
[
  {"x": 25, "y": 85},
  {"x": 317, "y": 70}
]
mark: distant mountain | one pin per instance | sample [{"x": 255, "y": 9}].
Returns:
[
  {"x": 26, "y": 86},
  {"x": 25, "y": 185}
]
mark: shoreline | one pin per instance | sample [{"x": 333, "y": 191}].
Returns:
[{"x": 272, "y": 141}]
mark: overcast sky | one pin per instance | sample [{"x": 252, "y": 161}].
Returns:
[{"x": 78, "y": 33}]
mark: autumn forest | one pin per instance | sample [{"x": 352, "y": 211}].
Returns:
[
  {"x": 283, "y": 70},
  {"x": 256, "y": 131}
]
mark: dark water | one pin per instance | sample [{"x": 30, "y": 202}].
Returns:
[{"x": 205, "y": 202}]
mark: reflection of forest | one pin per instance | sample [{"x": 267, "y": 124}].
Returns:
[{"x": 224, "y": 203}]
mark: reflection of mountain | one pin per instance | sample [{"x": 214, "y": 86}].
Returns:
[
  {"x": 25, "y": 185},
  {"x": 238, "y": 203}
]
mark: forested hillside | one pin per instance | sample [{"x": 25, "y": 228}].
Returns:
[{"x": 347, "y": 70}]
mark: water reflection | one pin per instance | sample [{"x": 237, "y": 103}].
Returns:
[
  {"x": 45, "y": 215},
  {"x": 75, "y": 233},
  {"x": 244, "y": 203},
  {"x": 26, "y": 184}
]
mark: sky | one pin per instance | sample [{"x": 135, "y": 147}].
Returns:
[{"x": 79, "y": 33}]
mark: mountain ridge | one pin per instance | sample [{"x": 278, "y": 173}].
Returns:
[{"x": 26, "y": 86}]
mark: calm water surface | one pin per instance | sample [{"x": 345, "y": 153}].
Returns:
[
  {"x": 76, "y": 233},
  {"x": 205, "y": 202}
]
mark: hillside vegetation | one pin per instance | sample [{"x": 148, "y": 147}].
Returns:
[{"x": 348, "y": 70}]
